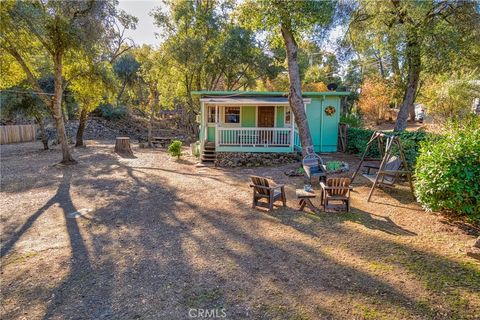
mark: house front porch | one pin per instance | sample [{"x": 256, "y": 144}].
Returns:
[{"x": 239, "y": 124}]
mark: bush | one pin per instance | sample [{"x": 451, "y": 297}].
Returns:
[
  {"x": 450, "y": 96},
  {"x": 375, "y": 96},
  {"x": 448, "y": 170},
  {"x": 333, "y": 165},
  {"x": 109, "y": 112},
  {"x": 358, "y": 138},
  {"x": 352, "y": 120},
  {"x": 175, "y": 148}
]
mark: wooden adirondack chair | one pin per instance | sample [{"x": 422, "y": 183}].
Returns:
[
  {"x": 336, "y": 189},
  {"x": 266, "y": 188}
]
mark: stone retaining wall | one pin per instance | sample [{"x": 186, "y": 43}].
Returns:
[{"x": 254, "y": 159}]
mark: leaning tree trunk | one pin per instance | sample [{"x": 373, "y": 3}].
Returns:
[
  {"x": 43, "y": 133},
  {"x": 414, "y": 67},
  {"x": 81, "y": 127},
  {"x": 295, "y": 95},
  {"x": 57, "y": 112},
  {"x": 153, "y": 109}
]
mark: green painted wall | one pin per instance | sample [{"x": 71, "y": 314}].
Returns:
[
  {"x": 314, "y": 116},
  {"x": 248, "y": 115},
  {"x": 329, "y": 133},
  {"x": 324, "y": 128},
  {"x": 280, "y": 116}
]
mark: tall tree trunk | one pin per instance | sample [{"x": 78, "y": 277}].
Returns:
[
  {"x": 153, "y": 110},
  {"x": 295, "y": 95},
  {"x": 43, "y": 133},
  {"x": 55, "y": 104},
  {"x": 414, "y": 68},
  {"x": 119, "y": 95},
  {"x": 397, "y": 74},
  {"x": 150, "y": 126},
  {"x": 81, "y": 127},
  {"x": 57, "y": 111}
]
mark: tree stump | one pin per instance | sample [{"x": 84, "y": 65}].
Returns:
[
  {"x": 474, "y": 251},
  {"x": 122, "y": 146}
]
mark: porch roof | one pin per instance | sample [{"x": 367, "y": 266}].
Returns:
[
  {"x": 267, "y": 93},
  {"x": 244, "y": 101}
]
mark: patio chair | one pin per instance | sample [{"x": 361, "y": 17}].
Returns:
[
  {"x": 315, "y": 170},
  {"x": 336, "y": 189},
  {"x": 266, "y": 188}
]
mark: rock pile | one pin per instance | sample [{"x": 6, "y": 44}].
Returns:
[
  {"x": 102, "y": 129},
  {"x": 254, "y": 159}
]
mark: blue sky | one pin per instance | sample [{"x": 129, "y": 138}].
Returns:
[{"x": 145, "y": 31}]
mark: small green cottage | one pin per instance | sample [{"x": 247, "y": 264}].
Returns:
[{"x": 242, "y": 121}]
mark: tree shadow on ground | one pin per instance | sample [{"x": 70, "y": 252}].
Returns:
[
  {"x": 82, "y": 285},
  {"x": 300, "y": 269},
  {"x": 155, "y": 252},
  {"x": 440, "y": 276}
]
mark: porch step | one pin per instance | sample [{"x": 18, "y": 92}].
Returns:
[{"x": 208, "y": 154}]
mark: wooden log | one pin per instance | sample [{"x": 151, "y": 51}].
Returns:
[{"x": 122, "y": 146}]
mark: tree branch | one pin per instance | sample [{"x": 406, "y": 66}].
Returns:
[{"x": 31, "y": 78}]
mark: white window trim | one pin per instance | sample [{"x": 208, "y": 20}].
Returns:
[
  {"x": 226, "y": 124},
  {"x": 285, "y": 109},
  {"x": 208, "y": 113}
]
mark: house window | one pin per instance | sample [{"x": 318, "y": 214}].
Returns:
[
  {"x": 288, "y": 117},
  {"x": 211, "y": 114},
  {"x": 232, "y": 114}
]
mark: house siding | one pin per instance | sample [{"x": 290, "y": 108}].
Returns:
[
  {"x": 248, "y": 116},
  {"x": 314, "y": 116},
  {"x": 329, "y": 125},
  {"x": 323, "y": 128},
  {"x": 280, "y": 116}
]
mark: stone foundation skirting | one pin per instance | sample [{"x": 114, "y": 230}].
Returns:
[{"x": 254, "y": 159}]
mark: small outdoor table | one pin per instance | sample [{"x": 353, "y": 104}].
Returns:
[{"x": 305, "y": 201}]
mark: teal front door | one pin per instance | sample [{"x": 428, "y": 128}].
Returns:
[{"x": 211, "y": 134}]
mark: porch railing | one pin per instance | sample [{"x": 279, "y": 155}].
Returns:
[{"x": 253, "y": 136}]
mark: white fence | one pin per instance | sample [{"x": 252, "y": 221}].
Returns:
[{"x": 253, "y": 136}]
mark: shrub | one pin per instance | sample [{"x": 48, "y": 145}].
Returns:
[
  {"x": 175, "y": 148},
  {"x": 358, "y": 138},
  {"x": 448, "y": 170},
  {"x": 374, "y": 98},
  {"x": 352, "y": 120},
  {"x": 333, "y": 165},
  {"x": 109, "y": 112}
]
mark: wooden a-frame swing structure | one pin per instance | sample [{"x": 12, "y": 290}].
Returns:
[{"x": 391, "y": 166}]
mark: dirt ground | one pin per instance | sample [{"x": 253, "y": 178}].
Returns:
[{"x": 155, "y": 238}]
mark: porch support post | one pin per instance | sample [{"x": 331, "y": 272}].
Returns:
[
  {"x": 292, "y": 134},
  {"x": 217, "y": 117},
  {"x": 203, "y": 126}
]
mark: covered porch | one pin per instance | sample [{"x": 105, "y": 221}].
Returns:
[{"x": 246, "y": 124}]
